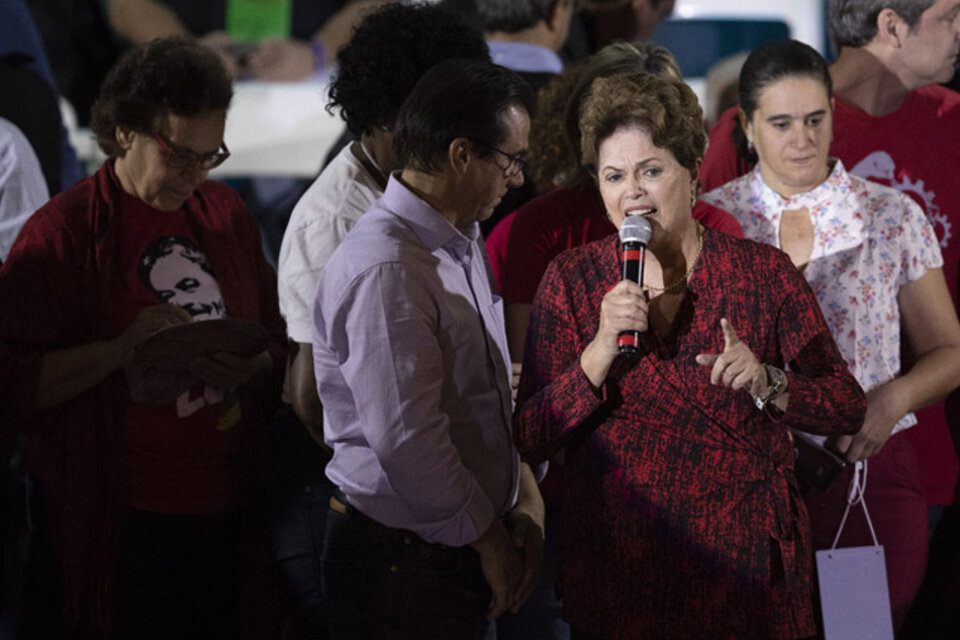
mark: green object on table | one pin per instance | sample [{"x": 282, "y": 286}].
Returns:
[{"x": 252, "y": 20}]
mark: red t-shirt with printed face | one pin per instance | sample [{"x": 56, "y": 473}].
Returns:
[
  {"x": 915, "y": 149},
  {"x": 183, "y": 456}
]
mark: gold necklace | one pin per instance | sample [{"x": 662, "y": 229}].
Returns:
[{"x": 693, "y": 263}]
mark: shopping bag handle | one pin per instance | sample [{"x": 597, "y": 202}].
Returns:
[{"x": 858, "y": 486}]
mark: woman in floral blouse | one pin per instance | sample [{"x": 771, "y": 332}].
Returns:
[
  {"x": 874, "y": 263},
  {"x": 682, "y": 516}
]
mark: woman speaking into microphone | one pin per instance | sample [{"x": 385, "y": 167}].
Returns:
[{"x": 682, "y": 516}]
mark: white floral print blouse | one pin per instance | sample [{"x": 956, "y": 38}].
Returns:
[{"x": 869, "y": 240}]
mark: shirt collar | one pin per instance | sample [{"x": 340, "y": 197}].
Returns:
[
  {"x": 838, "y": 225},
  {"x": 817, "y": 200},
  {"x": 525, "y": 57},
  {"x": 429, "y": 225}
]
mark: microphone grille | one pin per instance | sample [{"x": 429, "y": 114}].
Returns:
[{"x": 635, "y": 229}]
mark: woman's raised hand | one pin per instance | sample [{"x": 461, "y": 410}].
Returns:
[
  {"x": 624, "y": 308},
  {"x": 736, "y": 367}
]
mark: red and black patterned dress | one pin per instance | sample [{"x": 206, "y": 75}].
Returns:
[{"x": 682, "y": 517}]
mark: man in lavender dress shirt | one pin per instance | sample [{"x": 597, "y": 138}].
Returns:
[{"x": 435, "y": 515}]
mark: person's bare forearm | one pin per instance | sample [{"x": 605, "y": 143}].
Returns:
[
  {"x": 518, "y": 319},
  {"x": 529, "y": 500},
  {"x": 67, "y": 373},
  {"x": 527, "y": 531},
  {"x": 336, "y": 31},
  {"x": 500, "y": 564},
  {"x": 934, "y": 375},
  {"x": 139, "y": 21},
  {"x": 301, "y": 389},
  {"x": 933, "y": 333}
]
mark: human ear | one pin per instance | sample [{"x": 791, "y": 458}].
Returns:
[
  {"x": 745, "y": 126},
  {"x": 459, "y": 155},
  {"x": 553, "y": 15},
  {"x": 695, "y": 172},
  {"x": 890, "y": 27},
  {"x": 124, "y": 137}
]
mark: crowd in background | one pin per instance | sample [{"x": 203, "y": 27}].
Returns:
[{"x": 418, "y": 396}]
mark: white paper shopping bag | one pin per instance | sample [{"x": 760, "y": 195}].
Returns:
[{"x": 853, "y": 581}]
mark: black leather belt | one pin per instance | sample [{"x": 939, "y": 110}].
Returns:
[{"x": 341, "y": 504}]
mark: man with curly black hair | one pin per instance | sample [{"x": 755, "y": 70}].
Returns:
[
  {"x": 390, "y": 50},
  {"x": 388, "y": 53}
]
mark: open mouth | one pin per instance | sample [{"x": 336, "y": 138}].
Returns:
[{"x": 643, "y": 212}]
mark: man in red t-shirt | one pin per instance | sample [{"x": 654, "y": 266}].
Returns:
[{"x": 895, "y": 125}]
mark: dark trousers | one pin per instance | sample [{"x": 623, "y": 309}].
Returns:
[
  {"x": 387, "y": 584},
  {"x": 296, "y": 500},
  {"x": 175, "y": 576},
  {"x": 898, "y": 510},
  {"x": 934, "y": 615}
]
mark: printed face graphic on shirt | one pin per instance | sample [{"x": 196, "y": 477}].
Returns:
[
  {"x": 178, "y": 272},
  {"x": 176, "y": 269}
]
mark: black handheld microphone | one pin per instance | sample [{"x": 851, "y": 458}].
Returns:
[{"x": 634, "y": 235}]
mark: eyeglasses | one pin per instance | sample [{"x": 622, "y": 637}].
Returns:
[
  {"x": 178, "y": 157},
  {"x": 517, "y": 162}
]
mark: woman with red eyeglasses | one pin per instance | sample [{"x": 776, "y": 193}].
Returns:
[{"x": 143, "y": 344}]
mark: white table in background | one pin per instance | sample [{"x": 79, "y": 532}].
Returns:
[{"x": 273, "y": 129}]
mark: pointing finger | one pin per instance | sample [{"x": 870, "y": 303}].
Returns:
[{"x": 730, "y": 338}]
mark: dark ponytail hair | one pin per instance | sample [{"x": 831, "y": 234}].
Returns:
[{"x": 766, "y": 65}]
